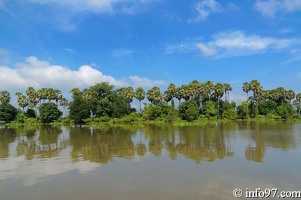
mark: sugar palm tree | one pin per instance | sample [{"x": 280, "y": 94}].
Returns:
[
  {"x": 178, "y": 94},
  {"x": 64, "y": 102},
  {"x": 139, "y": 95},
  {"x": 246, "y": 88},
  {"x": 219, "y": 91},
  {"x": 154, "y": 95},
  {"x": 5, "y": 97},
  {"x": 290, "y": 95},
  {"x": 209, "y": 86},
  {"x": 22, "y": 101},
  {"x": 227, "y": 88}
]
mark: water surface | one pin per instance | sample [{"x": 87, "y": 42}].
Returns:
[{"x": 154, "y": 162}]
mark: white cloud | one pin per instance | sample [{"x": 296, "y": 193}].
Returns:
[
  {"x": 206, "y": 50},
  {"x": 269, "y": 8},
  {"x": 4, "y": 55},
  {"x": 235, "y": 43},
  {"x": 98, "y": 6},
  {"x": 69, "y": 50},
  {"x": 145, "y": 82},
  {"x": 122, "y": 52},
  {"x": 205, "y": 7},
  {"x": 81, "y": 5},
  {"x": 37, "y": 74},
  {"x": 182, "y": 47}
]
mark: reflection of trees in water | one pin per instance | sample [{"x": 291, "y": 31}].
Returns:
[
  {"x": 42, "y": 142},
  {"x": 206, "y": 143},
  {"x": 7, "y": 136},
  {"x": 276, "y": 135},
  {"x": 101, "y": 145}
]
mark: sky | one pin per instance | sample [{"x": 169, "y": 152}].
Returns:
[{"x": 78, "y": 43}]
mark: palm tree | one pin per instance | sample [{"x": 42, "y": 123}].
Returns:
[
  {"x": 256, "y": 88},
  {"x": 5, "y": 96},
  {"x": 170, "y": 93},
  {"x": 57, "y": 95},
  {"x": 139, "y": 95},
  {"x": 167, "y": 96},
  {"x": 178, "y": 94},
  {"x": 42, "y": 94},
  {"x": 298, "y": 99},
  {"x": 219, "y": 89},
  {"x": 246, "y": 88},
  {"x": 22, "y": 101},
  {"x": 209, "y": 86},
  {"x": 127, "y": 94},
  {"x": 154, "y": 95},
  {"x": 281, "y": 93},
  {"x": 171, "y": 89},
  {"x": 18, "y": 94},
  {"x": 227, "y": 88},
  {"x": 64, "y": 102},
  {"x": 75, "y": 92},
  {"x": 290, "y": 95}
]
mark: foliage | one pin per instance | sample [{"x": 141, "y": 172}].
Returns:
[
  {"x": 230, "y": 114},
  {"x": 21, "y": 117},
  {"x": 188, "y": 110},
  {"x": 285, "y": 111},
  {"x": 152, "y": 112},
  {"x": 243, "y": 110},
  {"x": 7, "y": 112},
  {"x": 49, "y": 112},
  {"x": 30, "y": 113},
  {"x": 79, "y": 109},
  {"x": 210, "y": 109},
  {"x": 266, "y": 107}
]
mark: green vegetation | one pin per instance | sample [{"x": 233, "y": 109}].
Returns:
[{"x": 197, "y": 103}]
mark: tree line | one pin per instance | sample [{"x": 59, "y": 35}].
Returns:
[{"x": 194, "y": 100}]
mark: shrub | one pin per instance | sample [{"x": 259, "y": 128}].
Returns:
[
  {"x": 49, "y": 112},
  {"x": 188, "y": 110}
]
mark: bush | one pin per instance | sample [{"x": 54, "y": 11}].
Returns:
[
  {"x": 266, "y": 107},
  {"x": 243, "y": 110},
  {"x": 230, "y": 114},
  {"x": 188, "y": 110},
  {"x": 30, "y": 113},
  {"x": 49, "y": 112},
  {"x": 285, "y": 111},
  {"x": 152, "y": 112},
  {"x": 21, "y": 117},
  {"x": 7, "y": 112},
  {"x": 210, "y": 109}
]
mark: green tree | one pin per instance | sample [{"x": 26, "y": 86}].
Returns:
[
  {"x": 219, "y": 92},
  {"x": 22, "y": 101},
  {"x": 4, "y": 97},
  {"x": 7, "y": 112},
  {"x": 49, "y": 112},
  {"x": 286, "y": 111},
  {"x": 210, "y": 109},
  {"x": 209, "y": 87},
  {"x": 78, "y": 109},
  {"x": 266, "y": 107},
  {"x": 227, "y": 88},
  {"x": 243, "y": 110},
  {"x": 246, "y": 88},
  {"x": 290, "y": 95},
  {"x": 154, "y": 95},
  {"x": 64, "y": 102},
  {"x": 139, "y": 95},
  {"x": 188, "y": 110}
]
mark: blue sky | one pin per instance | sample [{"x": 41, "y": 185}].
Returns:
[{"x": 76, "y": 43}]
